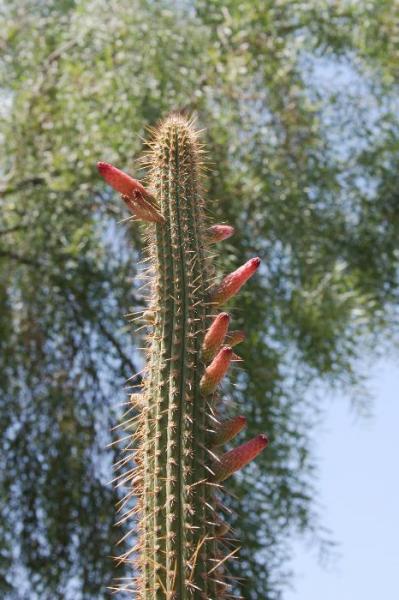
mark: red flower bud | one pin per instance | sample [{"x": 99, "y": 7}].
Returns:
[
  {"x": 239, "y": 457},
  {"x": 216, "y": 370},
  {"x": 233, "y": 282},
  {"x": 227, "y": 430},
  {"x": 215, "y": 335},
  {"x": 218, "y": 233}
]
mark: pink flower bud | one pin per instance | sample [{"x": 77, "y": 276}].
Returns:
[
  {"x": 239, "y": 457},
  {"x": 227, "y": 430},
  {"x": 215, "y": 335},
  {"x": 218, "y": 233},
  {"x": 216, "y": 370},
  {"x": 233, "y": 282},
  {"x": 235, "y": 337}
]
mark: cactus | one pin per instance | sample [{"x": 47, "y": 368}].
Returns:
[{"x": 181, "y": 547}]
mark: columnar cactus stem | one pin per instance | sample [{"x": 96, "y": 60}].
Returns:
[{"x": 179, "y": 555}]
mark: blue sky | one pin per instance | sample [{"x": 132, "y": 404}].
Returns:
[{"x": 359, "y": 484}]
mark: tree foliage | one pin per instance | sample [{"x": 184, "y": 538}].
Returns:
[{"x": 298, "y": 104}]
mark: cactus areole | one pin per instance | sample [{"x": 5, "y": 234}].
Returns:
[{"x": 181, "y": 545}]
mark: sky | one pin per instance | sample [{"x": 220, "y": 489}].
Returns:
[{"x": 359, "y": 485}]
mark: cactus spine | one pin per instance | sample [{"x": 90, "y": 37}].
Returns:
[{"x": 180, "y": 550}]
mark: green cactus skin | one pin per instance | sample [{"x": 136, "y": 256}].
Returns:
[{"x": 180, "y": 554}]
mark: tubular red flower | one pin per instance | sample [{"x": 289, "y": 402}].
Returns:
[
  {"x": 218, "y": 233},
  {"x": 239, "y": 457},
  {"x": 215, "y": 335},
  {"x": 232, "y": 283},
  {"x": 138, "y": 200},
  {"x": 216, "y": 370},
  {"x": 227, "y": 430}
]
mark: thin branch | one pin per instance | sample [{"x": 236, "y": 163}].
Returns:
[
  {"x": 21, "y": 259},
  {"x": 25, "y": 183},
  {"x": 125, "y": 359},
  {"x": 12, "y": 229}
]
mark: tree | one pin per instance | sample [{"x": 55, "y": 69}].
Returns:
[{"x": 297, "y": 99}]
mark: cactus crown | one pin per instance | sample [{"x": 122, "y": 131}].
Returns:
[{"x": 181, "y": 551}]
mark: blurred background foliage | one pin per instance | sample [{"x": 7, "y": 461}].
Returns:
[{"x": 298, "y": 101}]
